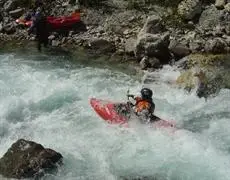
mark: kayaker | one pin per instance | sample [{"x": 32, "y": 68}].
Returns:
[
  {"x": 144, "y": 106},
  {"x": 40, "y": 26}
]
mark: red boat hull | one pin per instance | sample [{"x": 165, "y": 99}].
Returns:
[
  {"x": 62, "y": 22},
  {"x": 109, "y": 112},
  {"x": 55, "y": 22}
]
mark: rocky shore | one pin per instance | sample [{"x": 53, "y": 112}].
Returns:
[
  {"x": 194, "y": 35},
  {"x": 149, "y": 34}
]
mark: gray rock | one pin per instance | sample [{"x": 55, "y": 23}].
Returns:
[
  {"x": 55, "y": 43},
  {"x": 51, "y": 37},
  {"x": 1, "y": 27},
  {"x": 130, "y": 46},
  {"x": 144, "y": 63},
  {"x": 27, "y": 159},
  {"x": 16, "y": 13},
  {"x": 179, "y": 51},
  {"x": 154, "y": 62},
  {"x": 220, "y": 4},
  {"x": 120, "y": 21},
  {"x": 10, "y": 5},
  {"x": 153, "y": 25},
  {"x": 212, "y": 17},
  {"x": 153, "y": 45},
  {"x": 216, "y": 45},
  {"x": 2, "y": 2},
  {"x": 188, "y": 9},
  {"x": 147, "y": 63},
  {"x": 9, "y": 28},
  {"x": 196, "y": 45},
  {"x": 101, "y": 45},
  {"x": 227, "y": 7}
]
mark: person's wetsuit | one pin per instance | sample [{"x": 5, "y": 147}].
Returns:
[{"x": 40, "y": 26}]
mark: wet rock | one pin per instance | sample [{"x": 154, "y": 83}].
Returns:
[
  {"x": 16, "y": 13},
  {"x": 188, "y": 9},
  {"x": 147, "y": 62},
  {"x": 101, "y": 45},
  {"x": 179, "y": 50},
  {"x": 55, "y": 43},
  {"x": 205, "y": 73},
  {"x": 52, "y": 37},
  {"x": 26, "y": 159}
]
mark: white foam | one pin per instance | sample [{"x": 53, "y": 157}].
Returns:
[{"x": 51, "y": 107}]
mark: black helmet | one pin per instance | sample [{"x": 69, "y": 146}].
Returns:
[{"x": 146, "y": 93}]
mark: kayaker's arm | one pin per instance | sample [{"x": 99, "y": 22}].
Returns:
[{"x": 130, "y": 96}]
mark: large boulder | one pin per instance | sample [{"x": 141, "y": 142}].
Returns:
[
  {"x": 220, "y": 4},
  {"x": 212, "y": 17},
  {"x": 153, "y": 45},
  {"x": 204, "y": 72},
  {"x": 153, "y": 41},
  {"x": 179, "y": 50},
  {"x": 100, "y": 45},
  {"x": 216, "y": 46},
  {"x": 188, "y": 9},
  {"x": 26, "y": 159}
]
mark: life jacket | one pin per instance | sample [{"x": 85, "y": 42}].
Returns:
[
  {"x": 76, "y": 14},
  {"x": 142, "y": 104}
]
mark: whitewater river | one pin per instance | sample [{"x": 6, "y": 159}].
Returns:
[{"x": 45, "y": 98}]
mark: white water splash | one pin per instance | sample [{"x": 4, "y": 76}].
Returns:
[{"x": 49, "y": 104}]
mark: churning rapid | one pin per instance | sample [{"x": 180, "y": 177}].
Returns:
[{"x": 45, "y": 98}]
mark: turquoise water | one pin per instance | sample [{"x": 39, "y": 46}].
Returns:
[{"x": 45, "y": 98}]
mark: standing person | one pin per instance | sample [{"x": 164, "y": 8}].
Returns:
[{"x": 40, "y": 26}]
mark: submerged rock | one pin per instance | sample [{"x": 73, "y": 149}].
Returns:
[
  {"x": 207, "y": 74},
  {"x": 27, "y": 159}
]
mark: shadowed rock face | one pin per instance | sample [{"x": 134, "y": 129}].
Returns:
[{"x": 26, "y": 159}]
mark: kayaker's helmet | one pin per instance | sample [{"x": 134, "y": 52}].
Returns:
[{"x": 146, "y": 93}]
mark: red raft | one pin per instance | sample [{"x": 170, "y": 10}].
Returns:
[
  {"x": 119, "y": 113},
  {"x": 56, "y": 22}
]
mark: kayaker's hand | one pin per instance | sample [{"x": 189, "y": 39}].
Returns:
[{"x": 130, "y": 95}]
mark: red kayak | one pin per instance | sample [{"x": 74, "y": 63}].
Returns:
[
  {"x": 55, "y": 22},
  {"x": 119, "y": 113},
  {"x": 63, "y": 22}
]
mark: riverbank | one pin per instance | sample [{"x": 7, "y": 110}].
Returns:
[{"x": 135, "y": 32}]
